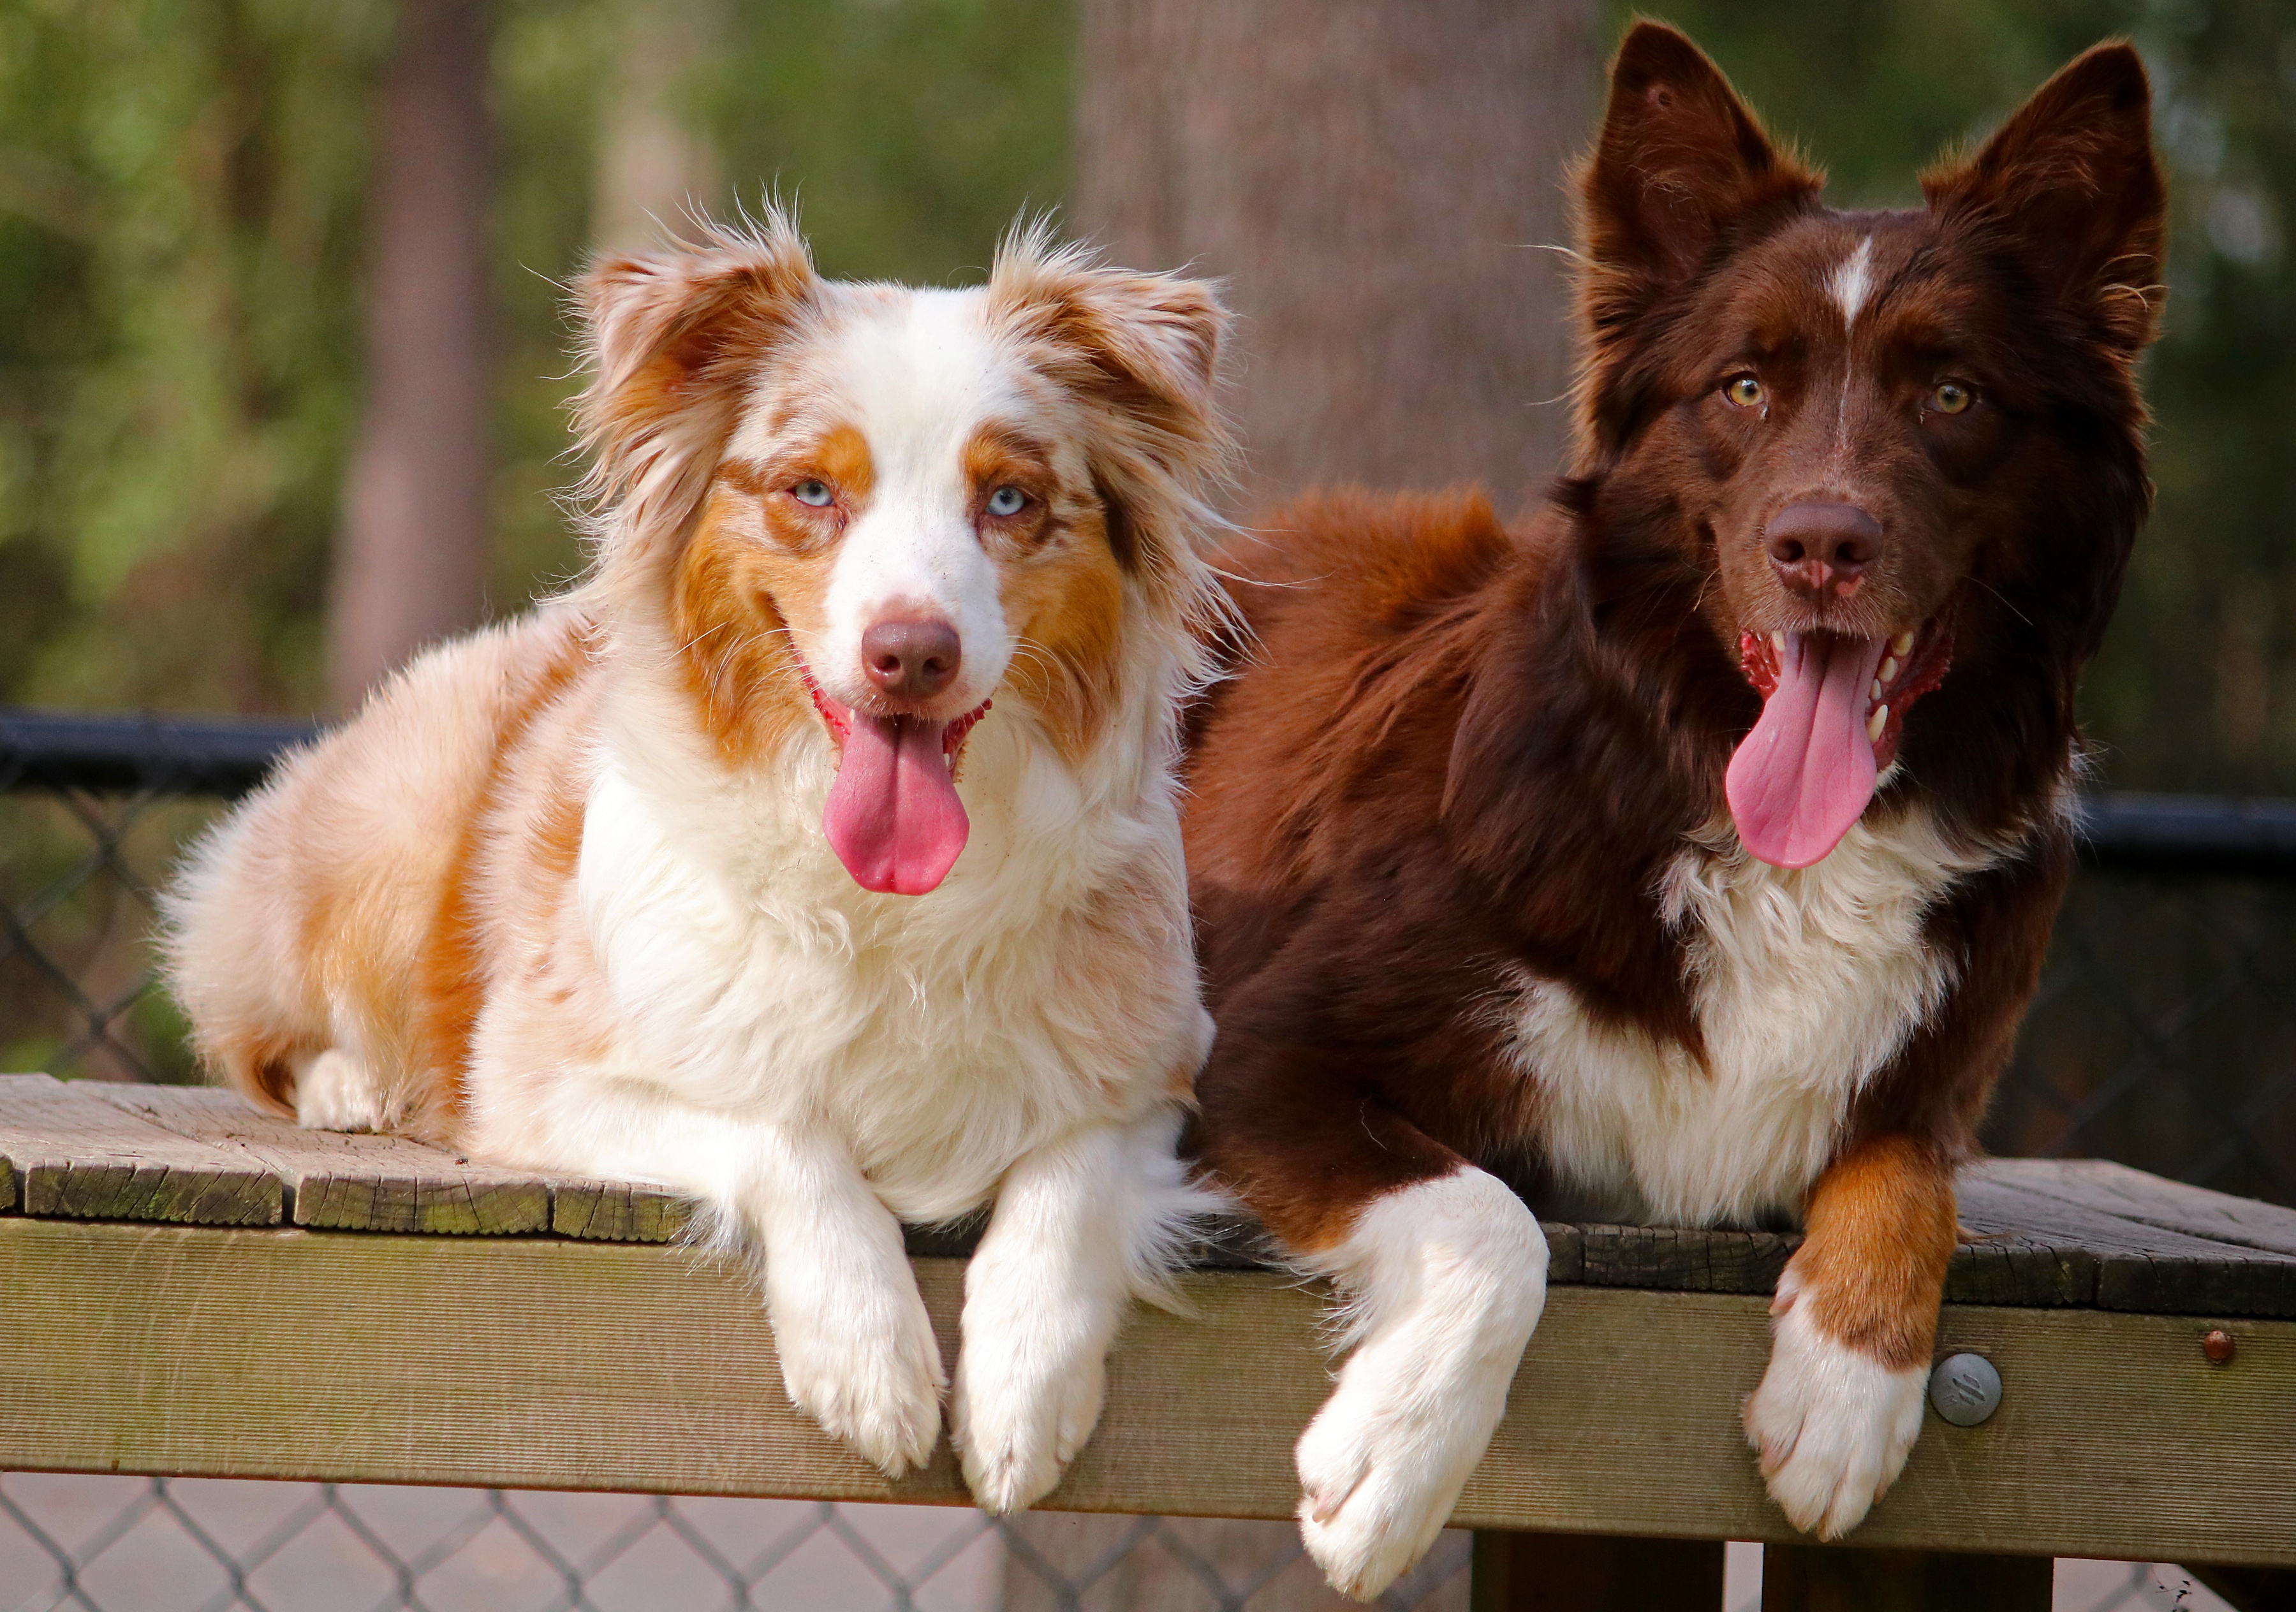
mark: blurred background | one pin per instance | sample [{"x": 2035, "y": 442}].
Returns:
[
  {"x": 283, "y": 356},
  {"x": 283, "y": 348}
]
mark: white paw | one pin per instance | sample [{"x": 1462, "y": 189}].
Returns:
[
  {"x": 1832, "y": 1426},
  {"x": 334, "y": 1093},
  {"x": 1018, "y": 1420},
  {"x": 863, "y": 1364},
  {"x": 1379, "y": 1469},
  {"x": 1447, "y": 1278}
]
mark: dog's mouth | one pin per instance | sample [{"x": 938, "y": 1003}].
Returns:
[
  {"x": 1834, "y": 710},
  {"x": 893, "y": 817}
]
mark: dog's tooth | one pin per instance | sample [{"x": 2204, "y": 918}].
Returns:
[
  {"x": 1778, "y": 642},
  {"x": 1875, "y": 692},
  {"x": 1889, "y": 670},
  {"x": 1875, "y": 724},
  {"x": 1901, "y": 644}
]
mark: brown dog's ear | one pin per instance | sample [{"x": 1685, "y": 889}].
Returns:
[
  {"x": 2071, "y": 182},
  {"x": 672, "y": 336},
  {"x": 1679, "y": 161}
]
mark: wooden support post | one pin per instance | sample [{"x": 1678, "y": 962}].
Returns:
[
  {"x": 2247, "y": 1589},
  {"x": 1594, "y": 1573},
  {"x": 1813, "y": 1578}
]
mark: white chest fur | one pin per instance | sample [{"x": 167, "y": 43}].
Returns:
[
  {"x": 935, "y": 1038},
  {"x": 1806, "y": 982}
]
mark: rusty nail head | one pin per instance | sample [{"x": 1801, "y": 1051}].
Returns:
[{"x": 2217, "y": 1344}]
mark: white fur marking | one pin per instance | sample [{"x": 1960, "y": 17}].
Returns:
[
  {"x": 1853, "y": 282},
  {"x": 1806, "y": 983},
  {"x": 1832, "y": 1426},
  {"x": 1081, "y": 1227},
  {"x": 1443, "y": 1282}
]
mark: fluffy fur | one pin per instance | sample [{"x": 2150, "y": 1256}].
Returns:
[
  {"x": 560, "y": 896},
  {"x": 1472, "y": 885}
]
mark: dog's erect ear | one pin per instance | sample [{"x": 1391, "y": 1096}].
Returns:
[
  {"x": 1680, "y": 161},
  {"x": 671, "y": 337},
  {"x": 1144, "y": 351},
  {"x": 2072, "y": 183},
  {"x": 1146, "y": 345}
]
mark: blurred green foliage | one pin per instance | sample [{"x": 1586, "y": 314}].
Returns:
[{"x": 180, "y": 213}]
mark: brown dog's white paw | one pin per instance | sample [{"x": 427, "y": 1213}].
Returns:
[
  {"x": 1832, "y": 1426},
  {"x": 1379, "y": 1470}
]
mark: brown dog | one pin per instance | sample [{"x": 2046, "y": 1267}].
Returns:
[{"x": 1689, "y": 855}]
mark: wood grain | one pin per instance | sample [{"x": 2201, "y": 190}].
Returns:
[
  {"x": 2114, "y": 1189},
  {"x": 2139, "y": 1266},
  {"x": 343, "y": 1182},
  {"x": 546, "y": 1363},
  {"x": 71, "y": 1153},
  {"x": 2047, "y": 1233}
]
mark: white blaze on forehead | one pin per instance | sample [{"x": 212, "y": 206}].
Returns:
[
  {"x": 917, "y": 378},
  {"x": 1853, "y": 281}
]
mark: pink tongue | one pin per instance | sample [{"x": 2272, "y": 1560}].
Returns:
[
  {"x": 1805, "y": 772},
  {"x": 893, "y": 817}
]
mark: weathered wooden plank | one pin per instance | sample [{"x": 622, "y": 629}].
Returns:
[
  {"x": 509, "y": 1362},
  {"x": 73, "y": 1154},
  {"x": 1668, "y": 1258},
  {"x": 2116, "y": 1190},
  {"x": 341, "y": 1182},
  {"x": 617, "y": 1211},
  {"x": 2005, "y": 1268},
  {"x": 2139, "y": 1266}
]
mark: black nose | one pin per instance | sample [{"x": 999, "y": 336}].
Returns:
[
  {"x": 1823, "y": 549},
  {"x": 911, "y": 659}
]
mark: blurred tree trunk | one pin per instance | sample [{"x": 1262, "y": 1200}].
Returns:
[
  {"x": 411, "y": 565},
  {"x": 1375, "y": 180},
  {"x": 655, "y": 167}
]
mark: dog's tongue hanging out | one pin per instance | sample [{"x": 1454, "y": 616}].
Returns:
[
  {"x": 1805, "y": 773},
  {"x": 893, "y": 816}
]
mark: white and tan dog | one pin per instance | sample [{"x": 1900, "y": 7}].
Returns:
[{"x": 818, "y": 855}]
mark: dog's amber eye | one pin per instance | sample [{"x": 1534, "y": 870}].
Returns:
[
  {"x": 814, "y": 492},
  {"x": 1745, "y": 391},
  {"x": 1007, "y": 500},
  {"x": 1951, "y": 397}
]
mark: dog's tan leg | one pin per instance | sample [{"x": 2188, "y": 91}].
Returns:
[{"x": 1853, "y": 1325}]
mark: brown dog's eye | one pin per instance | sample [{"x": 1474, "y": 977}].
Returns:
[
  {"x": 1007, "y": 500},
  {"x": 1951, "y": 397},
  {"x": 812, "y": 492},
  {"x": 1745, "y": 391}
]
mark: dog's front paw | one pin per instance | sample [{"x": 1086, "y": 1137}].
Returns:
[
  {"x": 1379, "y": 1470},
  {"x": 1017, "y": 1422},
  {"x": 877, "y": 1386},
  {"x": 1832, "y": 1426}
]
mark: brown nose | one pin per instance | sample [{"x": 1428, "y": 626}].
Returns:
[
  {"x": 911, "y": 659},
  {"x": 1822, "y": 549}
]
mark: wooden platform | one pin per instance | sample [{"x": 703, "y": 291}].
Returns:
[{"x": 195, "y": 1288}]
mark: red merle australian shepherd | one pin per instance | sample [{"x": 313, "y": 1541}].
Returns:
[{"x": 1686, "y": 855}]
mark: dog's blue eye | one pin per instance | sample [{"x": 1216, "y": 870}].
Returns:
[
  {"x": 813, "y": 492},
  {"x": 1007, "y": 500},
  {"x": 1745, "y": 391}
]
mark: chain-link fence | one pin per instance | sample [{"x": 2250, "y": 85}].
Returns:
[{"x": 2164, "y": 1035}]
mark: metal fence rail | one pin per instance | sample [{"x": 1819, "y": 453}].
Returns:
[{"x": 2164, "y": 1034}]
